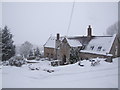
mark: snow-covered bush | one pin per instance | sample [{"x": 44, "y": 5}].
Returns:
[
  {"x": 31, "y": 67},
  {"x": 74, "y": 55},
  {"x": 17, "y": 61},
  {"x": 79, "y": 63},
  {"x": 37, "y": 58},
  {"x": 5, "y": 63},
  {"x": 95, "y": 61}
]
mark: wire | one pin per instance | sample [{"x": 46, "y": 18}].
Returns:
[{"x": 70, "y": 18}]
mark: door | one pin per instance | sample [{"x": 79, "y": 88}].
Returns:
[{"x": 64, "y": 58}]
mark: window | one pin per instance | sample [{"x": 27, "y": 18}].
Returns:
[
  {"x": 92, "y": 47},
  {"x": 51, "y": 55},
  {"x": 99, "y": 48},
  {"x": 47, "y": 54}
]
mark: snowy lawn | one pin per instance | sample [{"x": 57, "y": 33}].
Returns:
[
  {"x": 0, "y": 76},
  {"x": 104, "y": 75}
]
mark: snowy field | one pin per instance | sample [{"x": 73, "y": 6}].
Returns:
[{"x": 104, "y": 75}]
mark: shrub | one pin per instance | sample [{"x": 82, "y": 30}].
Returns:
[
  {"x": 17, "y": 61},
  {"x": 31, "y": 58}
]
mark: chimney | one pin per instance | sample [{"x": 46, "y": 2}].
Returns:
[
  {"x": 58, "y": 36},
  {"x": 89, "y": 31}
]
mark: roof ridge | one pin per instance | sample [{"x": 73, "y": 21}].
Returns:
[{"x": 47, "y": 40}]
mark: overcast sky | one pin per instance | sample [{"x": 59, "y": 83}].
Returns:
[
  {"x": 35, "y": 22},
  {"x": 0, "y": 14}
]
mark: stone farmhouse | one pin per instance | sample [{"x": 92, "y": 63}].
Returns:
[{"x": 85, "y": 47}]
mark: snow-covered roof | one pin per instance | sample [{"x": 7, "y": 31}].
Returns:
[
  {"x": 100, "y": 45},
  {"x": 50, "y": 42},
  {"x": 74, "y": 42}
]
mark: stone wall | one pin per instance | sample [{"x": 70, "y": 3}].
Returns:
[
  {"x": 89, "y": 55},
  {"x": 115, "y": 49},
  {"x": 49, "y": 52},
  {"x": 64, "y": 52}
]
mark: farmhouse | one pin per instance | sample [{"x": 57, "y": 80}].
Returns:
[{"x": 71, "y": 49}]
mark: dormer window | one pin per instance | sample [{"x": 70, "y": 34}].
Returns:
[
  {"x": 99, "y": 48},
  {"x": 92, "y": 47}
]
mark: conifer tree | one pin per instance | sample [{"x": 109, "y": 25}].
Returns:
[
  {"x": 37, "y": 52},
  {"x": 8, "y": 49}
]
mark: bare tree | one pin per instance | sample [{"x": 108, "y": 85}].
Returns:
[
  {"x": 25, "y": 49},
  {"x": 113, "y": 29}
]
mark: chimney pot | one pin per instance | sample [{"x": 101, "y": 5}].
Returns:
[
  {"x": 89, "y": 31},
  {"x": 58, "y": 36}
]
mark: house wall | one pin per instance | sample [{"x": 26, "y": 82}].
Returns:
[
  {"x": 90, "y": 55},
  {"x": 57, "y": 51},
  {"x": 64, "y": 51},
  {"x": 49, "y": 52},
  {"x": 115, "y": 49}
]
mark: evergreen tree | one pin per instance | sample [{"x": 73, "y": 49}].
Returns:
[
  {"x": 74, "y": 56},
  {"x": 37, "y": 52},
  {"x": 31, "y": 53},
  {"x": 8, "y": 49}
]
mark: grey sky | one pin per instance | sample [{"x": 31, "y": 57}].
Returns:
[
  {"x": 0, "y": 14},
  {"x": 35, "y": 22}
]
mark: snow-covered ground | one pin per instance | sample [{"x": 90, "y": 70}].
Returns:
[
  {"x": 104, "y": 75},
  {"x": 0, "y": 75}
]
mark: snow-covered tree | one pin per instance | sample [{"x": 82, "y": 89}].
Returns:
[
  {"x": 8, "y": 49},
  {"x": 25, "y": 49}
]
